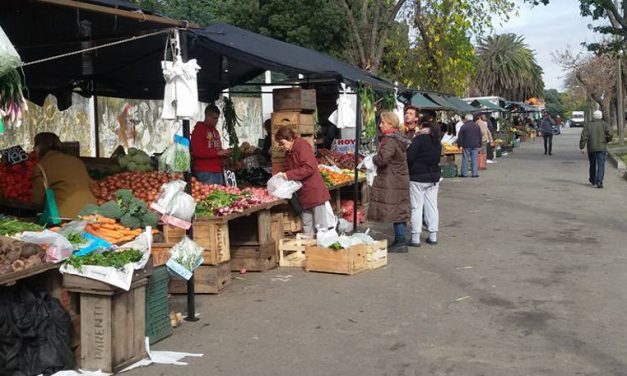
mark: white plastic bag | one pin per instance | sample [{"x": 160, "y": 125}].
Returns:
[
  {"x": 9, "y": 58},
  {"x": 174, "y": 202},
  {"x": 185, "y": 257},
  {"x": 344, "y": 116},
  {"x": 326, "y": 238},
  {"x": 279, "y": 187},
  {"x": 176, "y": 157},
  {"x": 59, "y": 248},
  {"x": 371, "y": 169}
]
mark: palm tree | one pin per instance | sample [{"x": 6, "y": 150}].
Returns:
[{"x": 507, "y": 67}]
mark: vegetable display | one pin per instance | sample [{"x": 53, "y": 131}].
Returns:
[
  {"x": 16, "y": 255},
  {"x": 129, "y": 210},
  {"x": 136, "y": 160},
  {"x": 114, "y": 259},
  {"x": 12, "y": 226},
  {"x": 12, "y": 101},
  {"x": 15, "y": 183},
  {"x": 223, "y": 201},
  {"x": 332, "y": 178},
  {"x": 344, "y": 161}
]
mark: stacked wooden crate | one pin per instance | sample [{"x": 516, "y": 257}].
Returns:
[
  {"x": 253, "y": 242},
  {"x": 294, "y": 108},
  {"x": 214, "y": 275}
]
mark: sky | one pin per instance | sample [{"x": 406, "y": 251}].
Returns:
[{"x": 557, "y": 26}]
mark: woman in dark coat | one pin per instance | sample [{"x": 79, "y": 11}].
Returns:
[
  {"x": 302, "y": 166},
  {"x": 423, "y": 158},
  {"x": 389, "y": 196}
]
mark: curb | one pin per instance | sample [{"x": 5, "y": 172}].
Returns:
[{"x": 617, "y": 162}]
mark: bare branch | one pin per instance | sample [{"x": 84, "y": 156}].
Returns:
[{"x": 355, "y": 34}]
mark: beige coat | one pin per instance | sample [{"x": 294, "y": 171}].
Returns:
[
  {"x": 68, "y": 178},
  {"x": 486, "y": 136}
]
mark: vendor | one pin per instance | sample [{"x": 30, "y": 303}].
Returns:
[
  {"x": 66, "y": 175},
  {"x": 302, "y": 166},
  {"x": 267, "y": 141},
  {"x": 207, "y": 152}
]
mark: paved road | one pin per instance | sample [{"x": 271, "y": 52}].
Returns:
[{"x": 529, "y": 278}]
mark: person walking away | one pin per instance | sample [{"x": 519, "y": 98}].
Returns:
[
  {"x": 469, "y": 140},
  {"x": 546, "y": 129},
  {"x": 389, "y": 196},
  {"x": 206, "y": 150},
  {"x": 423, "y": 160},
  {"x": 486, "y": 135},
  {"x": 302, "y": 166},
  {"x": 558, "y": 121},
  {"x": 595, "y": 136},
  {"x": 493, "y": 127},
  {"x": 65, "y": 174},
  {"x": 410, "y": 125}
]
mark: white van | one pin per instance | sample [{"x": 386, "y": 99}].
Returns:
[{"x": 577, "y": 119}]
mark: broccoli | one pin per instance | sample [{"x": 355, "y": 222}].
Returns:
[
  {"x": 124, "y": 195},
  {"x": 132, "y": 151},
  {"x": 129, "y": 221},
  {"x": 150, "y": 219},
  {"x": 123, "y": 161},
  {"x": 89, "y": 209},
  {"x": 131, "y": 166},
  {"x": 111, "y": 209}
]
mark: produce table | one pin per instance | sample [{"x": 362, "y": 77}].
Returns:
[
  {"x": 336, "y": 196},
  {"x": 18, "y": 208},
  {"x": 11, "y": 278}
]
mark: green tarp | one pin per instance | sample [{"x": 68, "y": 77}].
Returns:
[
  {"x": 420, "y": 101},
  {"x": 462, "y": 107},
  {"x": 485, "y": 104}
]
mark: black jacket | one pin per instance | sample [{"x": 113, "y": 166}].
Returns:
[
  {"x": 423, "y": 159},
  {"x": 469, "y": 135}
]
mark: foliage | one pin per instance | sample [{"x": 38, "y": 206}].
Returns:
[
  {"x": 114, "y": 259},
  {"x": 367, "y": 97},
  {"x": 230, "y": 121},
  {"x": 129, "y": 210},
  {"x": 507, "y": 68},
  {"x": 553, "y": 102}
]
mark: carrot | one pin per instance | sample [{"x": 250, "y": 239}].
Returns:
[
  {"x": 55, "y": 229},
  {"x": 110, "y": 233},
  {"x": 110, "y": 226},
  {"x": 102, "y": 219},
  {"x": 126, "y": 238}
]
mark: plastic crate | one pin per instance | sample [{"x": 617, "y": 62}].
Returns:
[
  {"x": 449, "y": 171},
  {"x": 157, "y": 317}
]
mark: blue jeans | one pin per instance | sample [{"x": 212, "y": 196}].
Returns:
[
  {"x": 399, "y": 230},
  {"x": 210, "y": 177},
  {"x": 473, "y": 155},
  {"x": 597, "y": 166}
]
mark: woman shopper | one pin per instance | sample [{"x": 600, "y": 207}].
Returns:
[
  {"x": 302, "y": 166},
  {"x": 423, "y": 159},
  {"x": 66, "y": 175},
  {"x": 389, "y": 196},
  {"x": 546, "y": 129}
]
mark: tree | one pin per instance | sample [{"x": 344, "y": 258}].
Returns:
[
  {"x": 553, "y": 102},
  {"x": 507, "y": 68}
]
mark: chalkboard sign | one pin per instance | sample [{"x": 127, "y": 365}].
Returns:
[
  {"x": 229, "y": 179},
  {"x": 14, "y": 155}
]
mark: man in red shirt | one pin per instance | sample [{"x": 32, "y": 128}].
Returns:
[{"x": 207, "y": 152}]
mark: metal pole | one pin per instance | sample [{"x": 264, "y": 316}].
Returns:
[
  {"x": 620, "y": 105},
  {"x": 358, "y": 127},
  {"x": 96, "y": 124},
  {"x": 191, "y": 296}
]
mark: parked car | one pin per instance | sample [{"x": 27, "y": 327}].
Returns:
[{"x": 577, "y": 119}]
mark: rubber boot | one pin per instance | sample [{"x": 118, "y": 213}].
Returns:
[{"x": 398, "y": 246}]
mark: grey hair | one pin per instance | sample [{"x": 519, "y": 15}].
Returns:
[
  {"x": 469, "y": 117},
  {"x": 597, "y": 115}
]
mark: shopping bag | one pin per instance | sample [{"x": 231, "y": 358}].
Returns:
[
  {"x": 50, "y": 215},
  {"x": 280, "y": 187}
]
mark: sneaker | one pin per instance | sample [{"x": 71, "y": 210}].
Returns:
[
  {"x": 397, "y": 248},
  {"x": 599, "y": 185},
  {"x": 432, "y": 242},
  {"x": 490, "y": 161},
  {"x": 412, "y": 244},
  {"x": 475, "y": 176}
]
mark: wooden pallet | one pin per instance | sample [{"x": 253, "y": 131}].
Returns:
[
  {"x": 292, "y": 251},
  {"x": 348, "y": 261},
  {"x": 208, "y": 279}
]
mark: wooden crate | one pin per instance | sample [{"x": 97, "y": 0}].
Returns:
[
  {"x": 254, "y": 258},
  {"x": 300, "y": 123},
  {"x": 278, "y": 154},
  {"x": 112, "y": 327},
  {"x": 292, "y": 251},
  {"x": 208, "y": 279},
  {"x": 292, "y": 223},
  {"x": 172, "y": 234},
  {"x": 377, "y": 254},
  {"x": 276, "y": 226},
  {"x": 344, "y": 261},
  {"x": 213, "y": 237},
  {"x": 161, "y": 254},
  {"x": 294, "y": 99},
  {"x": 255, "y": 229}
]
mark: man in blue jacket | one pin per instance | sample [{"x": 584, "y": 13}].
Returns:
[{"x": 469, "y": 140}]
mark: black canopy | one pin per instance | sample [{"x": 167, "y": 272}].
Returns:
[{"x": 228, "y": 55}]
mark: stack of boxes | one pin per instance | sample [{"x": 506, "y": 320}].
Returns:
[{"x": 294, "y": 108}]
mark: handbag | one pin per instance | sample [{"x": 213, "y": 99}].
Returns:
[
  {"x": 50, "y": 214},
  {"x": 295, "y": 205}
]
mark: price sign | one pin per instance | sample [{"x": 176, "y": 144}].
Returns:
[
  {"x": 344, "y": 145},
  {"x": 14, "y": 155},
  {"x": 229, "y": 179}
]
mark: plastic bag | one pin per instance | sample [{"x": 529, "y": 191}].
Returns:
[
  {"x": 185, "y": 257},
  {"x": 326, "y": 238},
  {"x": 371, "y": 169},
  {"x": 280, "y": 187},
  {"x": 176, "y": 157},
  {"x": 9, "y": 58},
  {"x": 59, "y": 248},
  {"x": 176, "y": 206}
]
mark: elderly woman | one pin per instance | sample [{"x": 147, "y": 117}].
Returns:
[
  {"x": 389, "y": 196},
  {"x": 302, "y": 166},
  {"x": 66, "y": 175}
]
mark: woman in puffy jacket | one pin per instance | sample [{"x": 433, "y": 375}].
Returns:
[{"x": 302, "y": 166}]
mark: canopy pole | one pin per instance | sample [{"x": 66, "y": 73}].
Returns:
[
  {"x": 191, "y": 294},
  {"x": 358, "y": 127},
  {"x": 96, "y": 124}
]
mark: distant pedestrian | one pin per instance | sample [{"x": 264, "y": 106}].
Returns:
[
  {"x": 423, "y": 159},
  {"x": 546, "y": 129},
  {"x": 486, "y": 135},
  {"x": 595, "y": 136},
  {"x": 458, "y": 123},
  {"x": 469, "y": 140}
]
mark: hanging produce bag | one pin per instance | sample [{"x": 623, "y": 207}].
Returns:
[
  {"x": 9, "y": 58},
  {"x": 176, "y": 158},
  {"x": 50, "y": 215}
]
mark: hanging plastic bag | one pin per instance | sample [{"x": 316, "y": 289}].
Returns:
[
  {"x": 176, "y": 206},
  {"x": 9, "y": 58},
  {"x": 344, "y": 116},
  {"x": 371, "y": 169},
  {"x": 59, "y": 248},
  {"x": 176, "y": 157},
  {"x": 280, "y": 187},
  {"x": 185, "y": 257}
]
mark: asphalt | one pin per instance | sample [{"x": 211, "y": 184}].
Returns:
[{"x": 528, "y": 278}]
